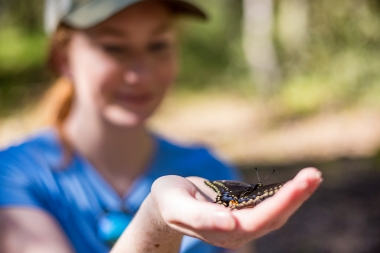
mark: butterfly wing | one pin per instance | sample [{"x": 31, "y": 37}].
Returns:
[
  {"x": 229, "y": 191},
  {"x": 255, "y": 197},
  {"x": 238, "y": 195}
]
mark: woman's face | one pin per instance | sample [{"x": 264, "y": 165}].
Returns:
[{"x": 122, "y": 68}]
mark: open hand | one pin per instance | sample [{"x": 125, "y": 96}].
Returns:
[{"x": 186, "y": 206}]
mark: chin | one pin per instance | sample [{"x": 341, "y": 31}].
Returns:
[{"x": 122, "y": 118}]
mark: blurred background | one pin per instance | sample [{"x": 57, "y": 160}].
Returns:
[{"x": 272, "y": 84}]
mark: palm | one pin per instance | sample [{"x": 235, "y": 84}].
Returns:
[{"x": 186, "y": 205}]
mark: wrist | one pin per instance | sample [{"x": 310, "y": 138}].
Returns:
[
  {"x": 148, "y": 232},
  {"x": 151, "y": 209}
]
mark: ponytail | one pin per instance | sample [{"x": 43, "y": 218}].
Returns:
[
  {"x": 56, "y": 103},
  {"x": 55, "y": 106}
]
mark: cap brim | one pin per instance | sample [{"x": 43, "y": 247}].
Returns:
[
  {"x": 186, "y": 8},
  {"x": 96, "y": 12}
]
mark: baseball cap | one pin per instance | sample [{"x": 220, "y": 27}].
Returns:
[{"x": 84, "y": 14}]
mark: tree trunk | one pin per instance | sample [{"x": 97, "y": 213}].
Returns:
[
  {"x": 258, "y": 45},
  {"x": 293, "y": 19}
]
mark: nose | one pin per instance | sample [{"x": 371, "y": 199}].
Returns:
[
  {"x": 131, "y": 77},
  {"x": 137, "y": 71}
]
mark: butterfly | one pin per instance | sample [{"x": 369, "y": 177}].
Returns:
[{"x": 238, "y": 195}]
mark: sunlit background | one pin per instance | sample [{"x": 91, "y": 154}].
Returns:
[{"x": 272, "y": 84}]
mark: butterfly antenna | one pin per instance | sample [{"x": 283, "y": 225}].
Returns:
[
  {"x": 257, "y": 173},
  {"x": 269, "y": 174}
]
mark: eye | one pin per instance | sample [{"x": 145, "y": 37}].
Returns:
[
  {"x": 114, "y": 49},
  {"x": 158, "y": 46}
]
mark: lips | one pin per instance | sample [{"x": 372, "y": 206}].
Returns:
[{"x": 134, "y": 99}]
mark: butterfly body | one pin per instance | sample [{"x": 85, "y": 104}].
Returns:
[{"x": 238, "y": 195}]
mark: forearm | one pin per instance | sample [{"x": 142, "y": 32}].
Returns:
[
  {"x": 185, "y": 205},
  {"x": 30, "y": 230},
  {"x": 148, "y": 233}
]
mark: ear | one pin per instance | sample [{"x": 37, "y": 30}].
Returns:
[
  {"x": 65, "y": 69},
  {"x": 63, "y": 64},
  {"x": 60, "y": 62}
]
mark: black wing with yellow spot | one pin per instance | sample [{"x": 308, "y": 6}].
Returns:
[{"x": 237, "y": 195}]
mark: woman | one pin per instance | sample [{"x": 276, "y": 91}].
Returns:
[{"x": 74, "y": 187}]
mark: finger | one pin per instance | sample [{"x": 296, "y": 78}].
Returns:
[
  {"x": 179, "y": 206},
  {"x": 207, "y": 193},
  {"x": 274, "y": 212}
]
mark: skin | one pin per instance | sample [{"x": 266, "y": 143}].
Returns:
[
  {"x": 122, "y": 70},
  {"x": 183, "y": 207}
]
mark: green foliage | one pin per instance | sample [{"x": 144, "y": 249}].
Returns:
[
  {"x": 22, "y": 54},
  {"x": 20, "y": 50},
  {"x": 22, "y": 72},
  {"x": 339, "y": 65},
  {"x": 211, "y": 50},
  {"x": 21, "y": 13}
]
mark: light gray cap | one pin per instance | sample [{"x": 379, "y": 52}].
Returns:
[{"x": 84, "y": 14}]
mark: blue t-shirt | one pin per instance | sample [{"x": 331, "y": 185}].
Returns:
[{"x": 31, "y": 175}]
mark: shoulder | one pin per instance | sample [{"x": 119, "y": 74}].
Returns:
[
  {"x": 40, "y": 148},
  {"x": 195, "y": 160},
  {"x": 26, "y": 170}
]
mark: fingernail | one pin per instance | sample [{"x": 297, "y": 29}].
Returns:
[
  {"x": 318, "y": 175},
  {"x": 223, "y": 220},
  {"x": 302, "y": 185}
]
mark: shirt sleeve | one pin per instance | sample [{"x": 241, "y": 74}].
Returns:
[{"x": 17, "y": 179}]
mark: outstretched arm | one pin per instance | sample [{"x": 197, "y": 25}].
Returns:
[
  {"x": 31, "y": 230},
  {"x": 177, "y": 206}
]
